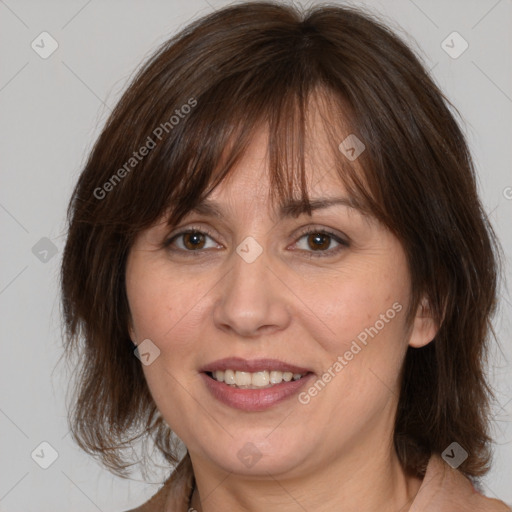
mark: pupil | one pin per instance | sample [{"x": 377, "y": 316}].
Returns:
[
  {"x": 319, "y": 241},
  {"x": 193, "y": 240}
]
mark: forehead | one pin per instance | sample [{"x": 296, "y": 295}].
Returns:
[
  {"x": 246, "y": 191},
  {"x": 290, "y": 155},
  {"x": 251, "y": 176}
]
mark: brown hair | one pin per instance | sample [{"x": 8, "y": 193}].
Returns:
[{"x": 194, "y": 106}]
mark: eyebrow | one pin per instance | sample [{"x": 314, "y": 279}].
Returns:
[{"x": 292, "y": 208}]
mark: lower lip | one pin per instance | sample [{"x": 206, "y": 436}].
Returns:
[{"x": 254, "y": 399}]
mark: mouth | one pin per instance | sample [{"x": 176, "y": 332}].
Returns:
[
  {"x": 257, "y": 380},
  {"x": 253, "y": 385}
]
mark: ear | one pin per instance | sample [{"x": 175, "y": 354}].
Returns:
[
  {"x": 131, "y": 332},
  {"x": 424, "y": 328}
]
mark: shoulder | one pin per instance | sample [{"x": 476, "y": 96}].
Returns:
[
  {"x": 174, "y": 495},
  {"x": 447, "y": 490},
  {"x": 156, "y": 503}
]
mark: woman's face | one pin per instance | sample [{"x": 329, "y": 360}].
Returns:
[{"x": 258, "y": 296}]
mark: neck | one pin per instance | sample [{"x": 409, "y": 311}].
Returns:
[{"x": 345, "y": 484}]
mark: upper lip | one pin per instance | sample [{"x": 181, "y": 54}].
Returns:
[{"x": 253, "y": 365}]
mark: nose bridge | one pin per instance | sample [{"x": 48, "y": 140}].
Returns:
[{"x": 250, "y": 300}]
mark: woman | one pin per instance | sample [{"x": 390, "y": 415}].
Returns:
[{"x": 277, "y": 254}]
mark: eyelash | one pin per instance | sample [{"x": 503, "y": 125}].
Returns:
[{"x": 311, "y": 231}]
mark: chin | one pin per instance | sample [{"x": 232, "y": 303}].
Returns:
[{"x": 258, "y": 455}]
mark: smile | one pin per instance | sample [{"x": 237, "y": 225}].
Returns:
[
  {"x": 253, "y": 385},
  {"x": 256, "y": 380}
]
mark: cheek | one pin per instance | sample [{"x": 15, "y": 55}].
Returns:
[
  {"x": 167, "y": 307},
  {"x": 360, "y": 327},
  {"x": 156, "y": 302},
  {"x": 362, "y": 302},
  {"x": 359, "y": 323},
  {"x": 164, "y": 309}
]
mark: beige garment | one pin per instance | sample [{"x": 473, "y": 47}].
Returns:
[{"x": 443, "y": 490}]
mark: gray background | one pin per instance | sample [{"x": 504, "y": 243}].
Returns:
[{"x": 51, "y": 110}]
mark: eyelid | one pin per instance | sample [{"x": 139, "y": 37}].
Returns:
[
  {"x": 340, "y": 238},
  {"x": 311, "y": 229},
  {"x": 187, "y": 229}
]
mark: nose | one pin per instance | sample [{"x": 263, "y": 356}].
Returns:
[{"x": 252, "y": 299}]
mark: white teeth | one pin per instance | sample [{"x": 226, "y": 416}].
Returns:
[
  {"x": 276, "y": 377},
  {"x": 248, "y": 380},
  {"x": 243, "y": 379},
  {"x": 229, "y": 377},
  {"x": 260, "y": 379}
]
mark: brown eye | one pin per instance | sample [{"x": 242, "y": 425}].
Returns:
[
  {"x": 193, "y": 240},
  {"x": 319, "y": 241}
]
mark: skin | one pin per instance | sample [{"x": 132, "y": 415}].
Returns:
[{"x": 336, "y": 452}]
